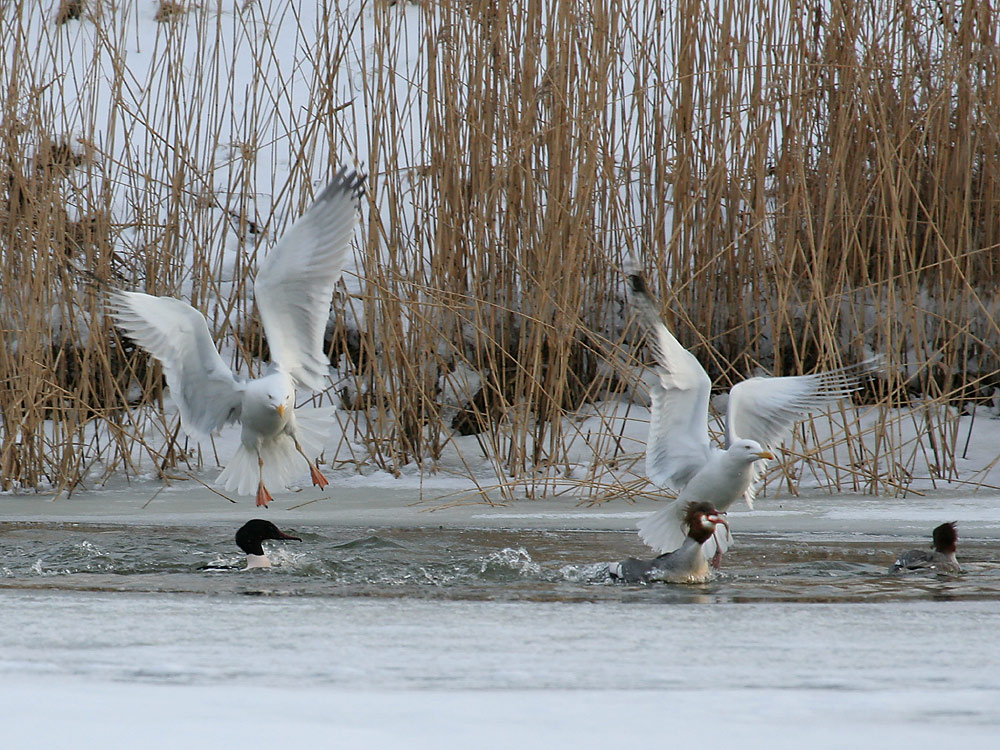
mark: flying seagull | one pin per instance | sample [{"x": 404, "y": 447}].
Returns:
[
  {"x": 293, "y": 290},
  {"x": 679, "y": 453}
]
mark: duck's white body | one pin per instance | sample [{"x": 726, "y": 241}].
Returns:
[{"x": 257, "y": 561}]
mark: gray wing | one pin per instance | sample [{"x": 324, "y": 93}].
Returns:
[
  {"x": 294, "y": 286},
  {"x": 678, "y": 444},
  {"x": 913, "y": 559},
  {"x": 205, "y": 390},
  {"x": 631, "y": 570},
  {"x": 765, "y": 409}
]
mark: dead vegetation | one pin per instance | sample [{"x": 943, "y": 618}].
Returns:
[{"x": 805, "y": 184}]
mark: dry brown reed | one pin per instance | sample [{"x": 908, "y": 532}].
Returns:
[{"x": 805, "y": 183}]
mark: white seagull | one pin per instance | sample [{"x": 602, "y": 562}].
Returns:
[
  {"x": 293, "y": 291},
  {"x": 679, "y": 453}
]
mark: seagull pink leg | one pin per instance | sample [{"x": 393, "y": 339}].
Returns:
[
  {"x": 317, "y": 477},
  {"x": 263, "y": 496},
  {"x": 717, "y": 557}
]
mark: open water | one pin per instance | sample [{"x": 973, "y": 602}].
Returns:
[{"x": 379, "y": 631}]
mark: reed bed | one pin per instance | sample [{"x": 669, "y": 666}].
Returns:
[{"x": 805, "y": 183}]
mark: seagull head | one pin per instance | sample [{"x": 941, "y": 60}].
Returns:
[
  {"x": 277, "y": 402},
  {"x": 281, "y": 399},
  {"x": 274, "y": 392},
  {"x": 701, "y": 520},
  {"x": 750, "y": 451}
]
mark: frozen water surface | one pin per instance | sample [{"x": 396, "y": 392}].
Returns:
[{"x": 450, "y": 630}]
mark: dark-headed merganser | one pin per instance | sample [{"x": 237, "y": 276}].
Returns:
[
  {"x": 942, "y": 558},
  {"x": 684, "y": 565},
  {"x": 249, "y": 539}
]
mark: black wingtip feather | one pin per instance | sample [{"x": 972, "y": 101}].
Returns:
[{"x": 349, "y": 181}]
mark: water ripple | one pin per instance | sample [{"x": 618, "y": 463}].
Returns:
[{"x": 464, "y": 564}]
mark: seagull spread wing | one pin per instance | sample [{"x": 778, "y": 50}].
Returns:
[
  {"x": 207, "y": 393},
  {"x": 764, "y": 409},
  {"x": 678, "y": 444},
  {"x": 294, "y": 285}
]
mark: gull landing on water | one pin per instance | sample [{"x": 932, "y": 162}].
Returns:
[
  {"x": 293, "y": 291},
  {"x": 679, "y": 453},
  {"x": 684, "y": 565}
]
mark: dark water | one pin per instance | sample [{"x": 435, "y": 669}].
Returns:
[{"x": 509, "y": 565}]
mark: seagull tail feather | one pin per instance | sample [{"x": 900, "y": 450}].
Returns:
[
  {"x": 664, "y": 530},
  {"x": 282, "y": 466}
]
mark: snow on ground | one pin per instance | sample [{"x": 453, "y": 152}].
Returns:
[
  {"x": 73, "y": 84},
  {"x": 606, "y": 452},
  {"x": 162, "y": 670}
]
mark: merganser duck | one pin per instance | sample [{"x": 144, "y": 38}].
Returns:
[
  {"x": 249, "y": 539},
  {"x": 942, "y": 558},
  {"x": 684, "y": 565},
  {"x": 679, "y": 453}
]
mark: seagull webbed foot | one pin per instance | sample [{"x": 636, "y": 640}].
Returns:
[
  {"x": 263, "y": 496},
  {"x": 317, "y": 478}
]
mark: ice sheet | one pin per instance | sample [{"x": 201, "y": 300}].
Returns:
[{"x": 113, "y": 670}]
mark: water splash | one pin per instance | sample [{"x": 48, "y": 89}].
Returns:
[
  {"x": 511, "y": 559},
  {"x": 592, "y": 573}
]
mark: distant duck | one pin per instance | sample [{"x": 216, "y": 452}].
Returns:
[
  {"x": 941, "y": 559},
  {"x": 249, "y": 539},
  {"x": 686, "y": 564}
]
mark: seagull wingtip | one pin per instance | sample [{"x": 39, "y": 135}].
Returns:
[{"x": 347, "y": 180}]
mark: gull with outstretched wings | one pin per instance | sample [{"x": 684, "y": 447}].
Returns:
[
  {"x": 679, "y": 453},
  {"x": 293, "y": 290}
]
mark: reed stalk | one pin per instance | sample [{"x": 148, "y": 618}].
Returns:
[{"x": 805, "y": 184}]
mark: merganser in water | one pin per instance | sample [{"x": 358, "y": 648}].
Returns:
[
  {"x": 941, "y": 559},
  {"x": 679, "y": 453},
  {"x": 249, "y": 539},
  {"x": 684, "y": 565}
]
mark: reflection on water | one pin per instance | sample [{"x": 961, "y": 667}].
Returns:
[{"x": 467, "y": 564}]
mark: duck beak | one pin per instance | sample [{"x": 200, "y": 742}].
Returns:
[
  {"x": 280, "y": 408},
  {"x": 283, "y": 535},
  {"x": 719, "y": 519},
  {"x": 766, "y": 455}
]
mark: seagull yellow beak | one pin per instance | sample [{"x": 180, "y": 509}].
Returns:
[
  {"x": 280, "y": 408},
  {"x": 766, "y": 455}
]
